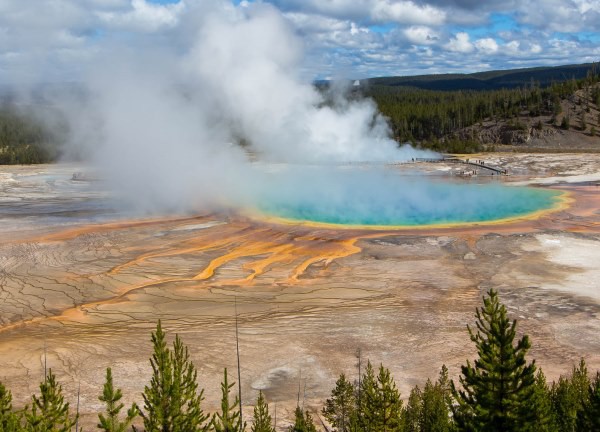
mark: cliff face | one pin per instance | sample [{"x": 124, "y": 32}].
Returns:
[
  {"x": 502, "y": 133},
  {"x": 544, "y": 132}
]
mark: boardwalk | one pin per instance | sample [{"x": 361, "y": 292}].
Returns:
[{"x": 476, "y": 163}]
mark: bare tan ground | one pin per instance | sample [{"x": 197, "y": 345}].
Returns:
[{"x": 307, "y": 298}]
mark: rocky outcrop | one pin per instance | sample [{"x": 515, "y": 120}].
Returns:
[
  {"x": 530, "y": 135},
  {"x": 502, "y": 133}
]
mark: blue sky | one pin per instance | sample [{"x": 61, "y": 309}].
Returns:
[{"x": 341, "y": 38}]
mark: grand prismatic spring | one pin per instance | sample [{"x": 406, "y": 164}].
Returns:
[
  {"x": 386, "y": 199},
  {"x": 85, "y": 281}
]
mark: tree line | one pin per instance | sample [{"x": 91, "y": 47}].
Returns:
[
  {"x": 26, "y": 138},
  {"x": 427, "y": 118},
  {"x": 500, "y": 391},
  {"x": 432, "y": 119}
]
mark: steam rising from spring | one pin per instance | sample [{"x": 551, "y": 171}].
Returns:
[{"x": 165, "y": 127}]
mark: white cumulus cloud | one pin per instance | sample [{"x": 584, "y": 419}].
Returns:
[
  {"x": 460, "y": 43},
  {"x": 145, "y": 16},
  {"x": 374, "y": 11},
  {"x": 420, "y": 35},
  {"x": 407, "y": 12},
  {"x": 487, "y": 45}
]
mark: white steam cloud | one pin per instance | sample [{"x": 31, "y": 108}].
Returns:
[{"x": 164, "y": 127}]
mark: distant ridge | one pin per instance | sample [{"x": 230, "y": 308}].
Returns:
[{"x": 490, "y": 80}]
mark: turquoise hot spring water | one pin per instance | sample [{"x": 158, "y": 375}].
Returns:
[{"x": 388, "y": 198}]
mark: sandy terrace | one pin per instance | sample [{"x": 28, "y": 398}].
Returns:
[{"x": 307, "y": 298}]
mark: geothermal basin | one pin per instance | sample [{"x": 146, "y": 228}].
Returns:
[{"x": 85, "y": 283}]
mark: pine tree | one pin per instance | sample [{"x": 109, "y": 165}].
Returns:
[
  {"x": 580, "y": 382},
  {"x": 412, "y": 414},
  {"x": 436, "y": 405},
  {"x": 172, "y": 400},
  {"x": 303, "y": 422},
  {"x": 157, "y": 397},
  {"x": 263, "y": 422},
  {"x": 541, "y": 406},
  {"x": 592, "y": 408},
  {"x": 380, "y": 406},
  {"x": 9, "y": 420},
  {"x": 498, "y": 388},
  {"x": 340, "y": 409},
  {"x": 570, "y": 397},
  {"x": 564, "y": 405},
  {"x": 366, "y": 405},
  {"x": 445, "y": 387},
  {"x": 229, "y": 419},
  {"x": 49, "y": 412},
  {"x": 109, "y": 421}
]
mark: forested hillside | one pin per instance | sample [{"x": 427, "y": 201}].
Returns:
[
  {"x": 455, "y": 121},
  {"x": 490, "y": 80},
  {"x": 25, "y": 138}
]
